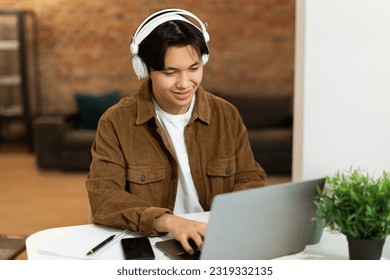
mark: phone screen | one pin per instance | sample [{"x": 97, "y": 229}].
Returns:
[{"x": 137, "y": 248}]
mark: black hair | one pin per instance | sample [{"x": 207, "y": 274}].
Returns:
[{"x": 174, "y": 33}]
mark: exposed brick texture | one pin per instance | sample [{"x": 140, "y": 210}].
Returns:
[{"x": 84, "y": 45}]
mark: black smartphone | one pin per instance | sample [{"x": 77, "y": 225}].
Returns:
[{"x": 137, "y": 248}]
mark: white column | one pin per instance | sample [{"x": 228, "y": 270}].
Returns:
[{"x": 342, "y": 87}]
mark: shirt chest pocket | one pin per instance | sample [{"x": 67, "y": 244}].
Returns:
[
  {"x": 221, "y": 174},
  {"x": 145, "y": 174},
  {"x": 146, "y": 181}
]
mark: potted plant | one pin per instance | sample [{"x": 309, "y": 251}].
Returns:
[{"x": 358, "y": 206}]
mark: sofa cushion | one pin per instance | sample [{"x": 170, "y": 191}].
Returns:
[
  {"x": 272, "y": 148},
  {"x": 92, "y": 106},
  {"x": 79, "y": 138},
  {"x": 263, "y": 111}
]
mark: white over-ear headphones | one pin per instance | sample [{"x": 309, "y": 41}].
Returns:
[{"x": 149, "y": 24}]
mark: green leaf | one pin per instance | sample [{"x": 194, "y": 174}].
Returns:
[{"x": 356, "y": 204}]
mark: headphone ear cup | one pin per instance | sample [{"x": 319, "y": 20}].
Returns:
[
  {"x": 206, "y": 36},
  {"x": 139, "y": 67},
  {"x": 134, "y": 48},
  {"x": 205, "y": 58}
]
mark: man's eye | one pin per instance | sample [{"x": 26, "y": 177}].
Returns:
[
  {"x": 194, "y": 69},
  {"x": 169, "y": 73}
]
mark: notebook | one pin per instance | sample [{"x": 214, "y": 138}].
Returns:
[{"x": 261, "y": 223}]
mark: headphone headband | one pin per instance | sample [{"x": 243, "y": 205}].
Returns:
[
  {"x": 147, "y": 29},
  {"x": 160, "y": 17},
  {"x": 153, "y": 21}
]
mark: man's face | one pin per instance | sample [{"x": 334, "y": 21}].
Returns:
[{"x": 175, "y": 85}]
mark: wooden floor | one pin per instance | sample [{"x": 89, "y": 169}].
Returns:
[{"x": 32, "y": 200}]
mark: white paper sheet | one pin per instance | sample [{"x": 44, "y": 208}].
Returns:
[{"x": 76, "y": 243}]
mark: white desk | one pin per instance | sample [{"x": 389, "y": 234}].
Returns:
[
  {"x": 42, "y": 239},
  {"x": 333, "y": 246}
]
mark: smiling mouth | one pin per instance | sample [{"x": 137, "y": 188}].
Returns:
[
  {"x": 183, "y": 95},
  {"x": 183, "y": 92}
]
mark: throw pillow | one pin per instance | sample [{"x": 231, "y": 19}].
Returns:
[{"x": 92, "y": 106}]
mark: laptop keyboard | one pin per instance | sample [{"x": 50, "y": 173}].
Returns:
[
  {"x": 186, "y": 256},
  {"x": 173, "y": 249}
]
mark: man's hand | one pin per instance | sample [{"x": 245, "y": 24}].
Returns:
[{"x": 182, "y": 230}]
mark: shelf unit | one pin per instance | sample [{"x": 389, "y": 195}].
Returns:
[{"x": 19, "y": 82}]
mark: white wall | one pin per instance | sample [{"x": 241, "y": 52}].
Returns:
[{"x": 342, "y": 87}]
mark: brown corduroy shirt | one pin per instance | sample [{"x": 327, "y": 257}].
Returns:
[{"x": 134, "y": 172}]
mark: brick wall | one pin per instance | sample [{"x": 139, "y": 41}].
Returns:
[{"x": 84, "y": 45}]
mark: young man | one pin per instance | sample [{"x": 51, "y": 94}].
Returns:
[{"x": 171, "y": 147}]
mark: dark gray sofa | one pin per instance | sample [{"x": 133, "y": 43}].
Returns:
[
  {"x": 268, "y": 120},
  {"x": 59, "y": 143}
]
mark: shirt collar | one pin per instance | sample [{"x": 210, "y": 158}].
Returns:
[{"x": 146, "y": 111}]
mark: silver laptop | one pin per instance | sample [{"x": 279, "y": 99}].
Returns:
[{"x": 261, "y": 223}]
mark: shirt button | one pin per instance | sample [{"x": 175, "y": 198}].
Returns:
[
  {"x": 142, "y": 178},
  {"x": 228, "y": 170},
  {"x": 174, "y": 175}
]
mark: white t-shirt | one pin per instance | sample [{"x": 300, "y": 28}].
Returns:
[{"x": 187, "y": 200}]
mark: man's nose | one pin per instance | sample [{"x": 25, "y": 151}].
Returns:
[{"x": 183, "y": 80}]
